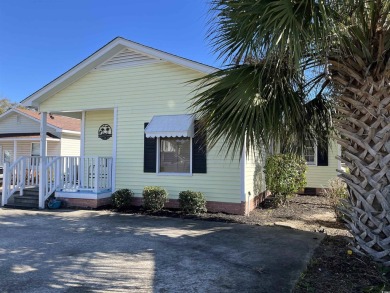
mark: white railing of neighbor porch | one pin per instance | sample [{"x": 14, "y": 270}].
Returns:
[
  {"x": 68, "y": 174},
  {"x": 12, "y": 173}
]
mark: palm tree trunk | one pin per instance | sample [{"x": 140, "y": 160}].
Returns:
[{"x": 363, "y": 124}]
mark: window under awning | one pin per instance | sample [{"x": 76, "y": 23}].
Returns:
[{"x": 171, "y": 126}]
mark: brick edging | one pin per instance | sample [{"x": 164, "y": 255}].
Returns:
[{"x": 241, "y": 208}]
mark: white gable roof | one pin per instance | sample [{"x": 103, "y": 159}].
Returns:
[{"x": 100, "y": 57}]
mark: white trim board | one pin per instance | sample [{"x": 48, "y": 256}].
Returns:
[
  {"x": 82, "y": 195},
  {"x": 29, "y": 139}
]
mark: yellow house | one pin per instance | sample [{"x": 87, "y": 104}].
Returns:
[
  {"x": 322, "y": 165},
  {"x": 136, "y": 131}
]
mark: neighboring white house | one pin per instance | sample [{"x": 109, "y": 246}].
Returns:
[{"x": 20, "y": 135}]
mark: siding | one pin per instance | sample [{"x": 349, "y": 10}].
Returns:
[
  {"x": 318, "y": 176},
  {"x": 254, "y": 174},
  {"x": 70, "y": 145},
  {"x": 24, "y": 148},
  {"x": 139, "y": 93},
  {"x": 16, "y": 123},
  {"x": 94, "y": 146}
]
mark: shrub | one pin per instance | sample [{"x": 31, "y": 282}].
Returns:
[
  {"x": 285, "y": 174},
  {"x": 121, "y": 199},
  {"x": 192, "y": 202},
  {"x": 337, "y": 193},
  {"x": 154, "y": 198}
]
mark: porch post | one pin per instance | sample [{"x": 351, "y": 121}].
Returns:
[
  {"x": 82, "y": 150},
  {"x": 114, "y": 149},
  {"x": 4, "y": 194},
  {"x": 15, "y": 150},
  {"x": 82, "y": 134},
  {"x": 42, "y": 165}
]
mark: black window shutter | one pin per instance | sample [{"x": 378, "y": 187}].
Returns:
[
  {"x": 150, "y": 148},
  {"x": 322, "y": 154},
  {"x": 199, "y": 150}
]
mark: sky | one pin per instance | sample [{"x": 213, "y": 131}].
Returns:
[{"x": 41, "y": 39}]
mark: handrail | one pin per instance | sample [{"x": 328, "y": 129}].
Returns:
[
  {"x": 69, "y": 173},
  {"x": 11, "y": 172},
  {"x": 53, "y": 171}
]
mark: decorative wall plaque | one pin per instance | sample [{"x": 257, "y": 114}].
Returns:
[{"x": 105, "y": 131}]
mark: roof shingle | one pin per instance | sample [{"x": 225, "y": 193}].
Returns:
[{"x": 65, "y": 123}]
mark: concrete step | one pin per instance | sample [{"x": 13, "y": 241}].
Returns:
[
  {"x": 31, "y": 191},
  {"x": 21, "y": 206},
  {"x": 26, "y": 200},
  {"x": 29, "y": 199}
]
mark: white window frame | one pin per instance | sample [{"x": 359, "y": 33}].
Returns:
[
  {"x": 171, "y": 173},
  {"x": 3, "y": 155},
  {"x": 31, "y": 149},
  {"x": 315, "y": 156}
]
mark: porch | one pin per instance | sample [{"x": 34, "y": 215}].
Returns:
[{"x": 65, "y": 176}]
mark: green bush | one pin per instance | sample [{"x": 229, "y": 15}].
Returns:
[
  {"x": 121, "y": 199},
  {"x": 285, "y": 174},
  {"x": 192, "y": 202},
  {"x": 337, "y": 193},
  {"x": 155, "y": 198}
]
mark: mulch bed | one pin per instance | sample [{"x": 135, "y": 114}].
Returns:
[{"x": 332, "y": 268}]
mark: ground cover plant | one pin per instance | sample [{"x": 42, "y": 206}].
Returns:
[
  {"x": 121, "y": 199},
  {"x": 154, "y": 198},
  {"x": 285, "y": 175},
  {"x": 192, "y": 202}
]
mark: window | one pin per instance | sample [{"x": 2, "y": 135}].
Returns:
[
  {"x": 35, "y": 149},
  {"x": 310, "y": 153},
  {"x": 175, "y": 155},
  {"x": 6, "y": 156}
]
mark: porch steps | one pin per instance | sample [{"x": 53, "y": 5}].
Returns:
[{"x": 29, "y": 199}]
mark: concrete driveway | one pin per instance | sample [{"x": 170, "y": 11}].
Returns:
[{"x": 98, "y": 251}]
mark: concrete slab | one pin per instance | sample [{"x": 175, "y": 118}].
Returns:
[{"x": 98, "y": 251}]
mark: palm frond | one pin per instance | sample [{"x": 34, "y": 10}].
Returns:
[{"x": 240, "y": 104}]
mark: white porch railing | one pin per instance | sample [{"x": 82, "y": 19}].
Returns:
[{"x": 69, "y": 174}]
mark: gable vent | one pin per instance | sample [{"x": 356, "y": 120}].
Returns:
[{"x": 127, "y": 58}]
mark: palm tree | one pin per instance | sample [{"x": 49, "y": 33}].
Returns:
[{"x": 288, "y": 64}]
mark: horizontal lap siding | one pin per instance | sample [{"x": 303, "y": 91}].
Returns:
[
  {"x": 254, "y": 174},
  {"x": 13, "y": 124},
  {"x": 24, "y": 148},
  {"x": 70, "y": 145},
  {"x": 139, "y": 93},
  {"x": 319, "y": 176},
  {"x": 94, "y": 146}
]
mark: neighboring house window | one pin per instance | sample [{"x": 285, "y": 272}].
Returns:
[
  {"x": 7, "y": 156},
  {"x": 175, "y": 155},
  {"x": 35, "y": 149},
  {"x": 310, "y": 154}
]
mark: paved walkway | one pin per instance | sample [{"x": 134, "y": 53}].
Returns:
[{"x": 97, "y": 251}]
